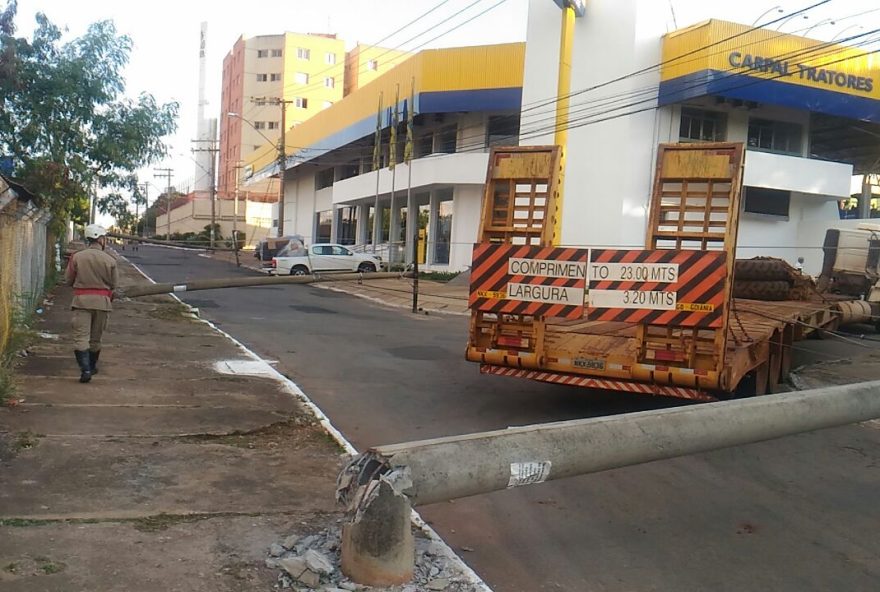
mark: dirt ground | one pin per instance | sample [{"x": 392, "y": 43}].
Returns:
[{"x": 161, "y": 474}]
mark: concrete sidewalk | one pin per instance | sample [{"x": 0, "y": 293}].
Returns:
[{"x": 161, "y": 474}]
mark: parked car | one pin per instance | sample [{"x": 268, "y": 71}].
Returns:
[
  {"x": 266, "y": 249},
  {"x": 323, "y": 257}
]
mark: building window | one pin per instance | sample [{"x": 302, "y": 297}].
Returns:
[
  {"x": 301, "y": 78},
  {"x": 303, "y": 53},
  {"x": 443, "y": 230},
  {"x": 330, "y": 82},
  {"x": 301, "y": 102},
  {"x": 272, "y": 125},
  {"x": 324, "y": 179},
  {"x": 424, "y": 145},
  {"x": 327, "y": 104},
  {"x": 276, "y": 53},
  {"x": 698, "y": 125},
  {"x": 349, "y": 170},
  {"x": 373, "y": 65},
  {"x": 446, "y": 139},
  {"x": 502, "y": 130},
  {"x": 262, "y": 53},
  {"x": 262, "y": 77},
  {"x": 259, "y": 125},
  {"x": 768, "y": 202},
  {"x": 275, "y": 77},
  {"x": 346, "y": 230},
  {"x": 330, "y": 58},
  {"x": 323, "y": 226},
  {"x": 775, "y": 136}
]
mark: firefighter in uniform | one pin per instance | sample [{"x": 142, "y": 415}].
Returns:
[{"x": 92, "y": 273}]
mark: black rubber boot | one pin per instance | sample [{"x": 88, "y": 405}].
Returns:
[
  {"x": 93, "y": 361},
  {"x": 82, "y": 358}
]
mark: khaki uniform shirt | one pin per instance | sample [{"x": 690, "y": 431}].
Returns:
[{"x": 92, "y": 268}]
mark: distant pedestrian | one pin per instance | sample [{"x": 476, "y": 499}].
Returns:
[{"x": 92, "y": 273}]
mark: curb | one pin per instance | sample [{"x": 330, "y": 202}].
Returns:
[{"x": 469, "y": 574}]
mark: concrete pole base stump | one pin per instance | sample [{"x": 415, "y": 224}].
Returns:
[{"x": 378, "y": 548}]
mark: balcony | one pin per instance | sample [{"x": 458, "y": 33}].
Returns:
[{"x": 442, "y": 169}]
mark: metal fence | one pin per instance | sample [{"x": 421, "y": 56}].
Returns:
[{"x": 24, "y": 257}]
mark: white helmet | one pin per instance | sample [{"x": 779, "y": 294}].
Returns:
[{"x": 94, "y": 232}]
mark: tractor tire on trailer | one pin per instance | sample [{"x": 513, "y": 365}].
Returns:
[
  {"x": 299, "y": 270},
  {"x": 765, "y": 270}
]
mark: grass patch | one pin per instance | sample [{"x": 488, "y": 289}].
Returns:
[
  {"x": 26, "y": 440},
  {"x": 20, "y": 337},
  {"x": 50, "y": 567},
  {"x": 174, "y": 311},
  {"x": 438, "y": 276}
]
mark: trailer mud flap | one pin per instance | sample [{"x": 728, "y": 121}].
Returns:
[{"x": 601, "y": 383}]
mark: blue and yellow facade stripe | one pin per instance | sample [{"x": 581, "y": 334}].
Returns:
[
  {"x": 740, "y": 62},
  {"x": 481, "y": 78}
]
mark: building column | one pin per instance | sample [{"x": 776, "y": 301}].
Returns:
[
  {"x": 363, "y": 227},
  {"x": 334, "y": 225},
  {"x": 433, "y": 218},
  {"x": 865, "y": 198}
]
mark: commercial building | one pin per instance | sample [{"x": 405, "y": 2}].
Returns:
[
  {"x": 464, "y": 100},
  {"x": 808, "y": 112}
]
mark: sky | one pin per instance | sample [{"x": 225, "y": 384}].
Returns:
[{"x": 165, "y": 35}]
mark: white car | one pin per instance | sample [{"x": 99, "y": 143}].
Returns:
[{"x": 324, "y": 257}]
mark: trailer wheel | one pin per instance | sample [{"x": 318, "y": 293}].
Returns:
[{"x": 754, "y": 383}]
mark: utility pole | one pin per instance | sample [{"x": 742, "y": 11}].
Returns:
[
  {"x": 282, "y": 154},
  {"x": 235, "y": 214},
  {"x": 94, "y": 203},
  {"x": 213, "y": 149},
  {"x": 146, "y": 187},
  {"x": 166, "y": 173}
]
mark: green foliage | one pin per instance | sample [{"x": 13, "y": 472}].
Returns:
[{"x": 65, "y": 120}]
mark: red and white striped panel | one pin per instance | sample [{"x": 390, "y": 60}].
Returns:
[{"x": 600, "y": 383}]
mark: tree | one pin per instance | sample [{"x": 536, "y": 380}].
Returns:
[{"x": 64, "y": 118}]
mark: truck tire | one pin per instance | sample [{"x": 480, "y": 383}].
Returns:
[
  {"x": 765, "y": 269},
  {"x": 299, "y": 270},
  {"x": 761, "y": 290}
]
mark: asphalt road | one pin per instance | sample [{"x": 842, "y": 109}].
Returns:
[{"x": 795, "y": 514}]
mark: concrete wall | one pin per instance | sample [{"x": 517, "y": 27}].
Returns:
[{"x": 193, "y": 216}]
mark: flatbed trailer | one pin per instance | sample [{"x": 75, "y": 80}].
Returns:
[{"x": 695, "y": 341}]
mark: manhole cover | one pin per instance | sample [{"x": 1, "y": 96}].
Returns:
[
  {"x": 418, "y": 352},
  {"x": 311, "y": 309}
]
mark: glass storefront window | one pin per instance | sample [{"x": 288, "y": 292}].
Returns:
[{"x": 444, "y": 233}]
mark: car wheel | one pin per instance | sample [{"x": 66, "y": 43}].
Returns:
[
  {"x": 366, "y": 268},
  {"x": 300, "y": 270}
]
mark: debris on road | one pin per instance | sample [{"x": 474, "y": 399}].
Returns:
[{"x": 313, "y": 563}]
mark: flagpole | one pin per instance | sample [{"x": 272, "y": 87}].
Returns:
[
  {"x": 411, "y": 227},
  {"x": 377, "y": 152},
  {"x": 392, "y": 154}
]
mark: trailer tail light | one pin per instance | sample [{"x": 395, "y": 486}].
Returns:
[
  {"x": 513, "y": 341},
  {"x": 666, "y": 355}
]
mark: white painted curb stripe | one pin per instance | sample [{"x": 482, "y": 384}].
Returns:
[{"x": 468, "y": 574}]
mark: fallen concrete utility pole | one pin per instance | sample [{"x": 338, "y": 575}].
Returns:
[
  {"x": 387, "y": 479},
  {"x": 242, "y": 282},
  {"x": 164, "y": 243}
]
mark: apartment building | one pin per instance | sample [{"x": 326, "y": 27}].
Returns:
[{"x": 307, "y": 71}]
